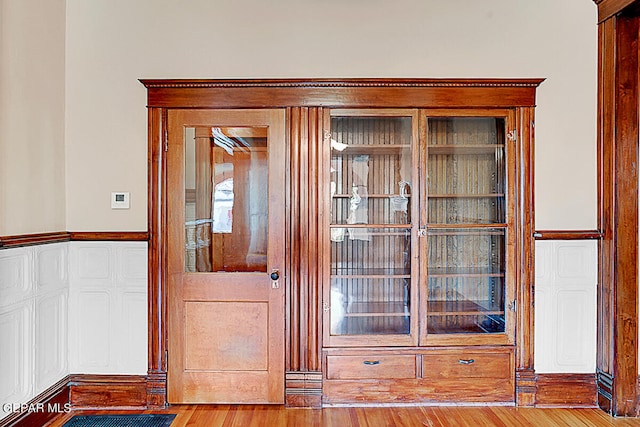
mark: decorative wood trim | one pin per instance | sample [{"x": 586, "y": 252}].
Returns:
[
  {"x": 525, "y": 375},
  {"x": 608, "y": 8},
  {"x": 42, "y": 408},
  {"x": 108, "y": 391},
  {"x": 272, "y": 93},
  {"x": 618, "y": 133},
  {"x": 604, "y": 384},
  {"x": 526, "y": 387},
  {"x": 305, "y": 320},
  {"x": 122, "y": 236},
  {"x": 333, "y": 83},
  {"x": 566, "y": 390},
  {"x": 567, "y": 235},
  {"x": 19, "y": 240},
  {"x": 303, "y": 389},
  {"x": 157, "y": 280}
]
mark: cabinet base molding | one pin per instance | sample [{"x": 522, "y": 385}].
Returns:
[
  {"x": 157, "y": 390},
  {"x": 42, "y": 408},
  {"x": 526, "y": 387},
  {"x": 108, "y": 391},
  {"x": 604, "y": 383},
  {"x": 303, "y": 389},
  {"x": 566, "y": 390}
]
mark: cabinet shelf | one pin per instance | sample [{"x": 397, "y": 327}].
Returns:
[
  {"x": 376, "y": 309},
  {"x": 373, "y": 149},
  {"x": 461, "y": 308},
  {"x": 372, "y": 196},
  {"x": 463, "y": 272},
  {"x": 366, "y": 276},
  {"x": 465, "y": 196},
  {"x": 463, "y": 148},
  {"x": 490, "y": 229}
]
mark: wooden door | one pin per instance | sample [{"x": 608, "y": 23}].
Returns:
[{"x": 225, "y": 215}]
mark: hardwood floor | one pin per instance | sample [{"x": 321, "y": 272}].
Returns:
[{"x": 274, "y": 416}]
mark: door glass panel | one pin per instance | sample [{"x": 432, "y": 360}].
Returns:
[
  {"x": 466, "y": 281},
  {"x": 371, "y": 170},
  {"x": 466, "y": 223},
  {"x": 370, "y": 232},
  {"x": 466, "y": 170},
  {"x": 226, "y": 211}
]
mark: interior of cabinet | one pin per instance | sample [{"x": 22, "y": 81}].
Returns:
[
  {"x": 370, "y": 231},
  {"x": 372, "y": 227},
  {"x": 467, "y": 225}
]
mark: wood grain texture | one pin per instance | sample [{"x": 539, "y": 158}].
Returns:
[
  {"x": 525, "y": 261},
  {"x": 279, "y": 416},
  {"x": 303, "y": 233},
  {"x": 566, "y": 390},
  {"x": 104, "y": 391},
  {"x": 618, "y": 132},
  {"x": 121, "y": 236},
  {"x": 608, "y": 8},
  {"x": 303, "y": 389},
  {"x": 626, "y": 214},
  {"x": 567, "y": 235},
  {"x": 157, "y": 258},
  {"x": 606, "y": 203},
  {"x": 18, "y": 240},
  {"x": 271, "y": 93}
]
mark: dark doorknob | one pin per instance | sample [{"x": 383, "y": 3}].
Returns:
[{"x": 275, "y": 275}]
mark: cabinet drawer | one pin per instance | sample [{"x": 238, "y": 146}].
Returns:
[
  {"x": 371, "y": 367},
  {"x": 455, "y": 365}
]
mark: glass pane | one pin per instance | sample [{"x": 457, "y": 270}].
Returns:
[
  {"x": 370, "y": 280},
  {"x": 466, "y": 288},
  {"x": 371, "y": 170},
  {"x": 226, "y": 202},
  {"x": 466, "y": 169}
]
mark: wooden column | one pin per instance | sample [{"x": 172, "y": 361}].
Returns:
[
  {"x": 156, "y": 288},
  {"x": 618, "y": 132},
  {"x": 525, "y": 373},
  {"x": 303, "y": 364}
]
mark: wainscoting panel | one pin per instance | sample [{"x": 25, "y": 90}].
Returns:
[
  {"x": 34, "y": 290},
  {"x": 565, "y": 306},
  {"x": 108, "y": 307},
  {"x": 16, "y": 353}
]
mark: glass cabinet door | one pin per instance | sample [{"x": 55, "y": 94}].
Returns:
[
  {"x": 468, "y": 226},
  {"x": 372, "y": 268}
]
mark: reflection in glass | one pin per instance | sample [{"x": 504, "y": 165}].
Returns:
[
  {"x": 466, "y": 167},
  {"x": 371, "y": 170},
  {"x": 370, "y": 282},
  {"x": 466, "y": 281},
  {"x": 226, "y": 216}
]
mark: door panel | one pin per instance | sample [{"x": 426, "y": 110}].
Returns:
[{"x": 225, "y": 185}]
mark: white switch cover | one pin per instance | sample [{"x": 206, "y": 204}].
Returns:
[{"x": 120, "y": 200}]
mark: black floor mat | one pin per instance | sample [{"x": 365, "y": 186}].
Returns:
[{"x": 128, "y": 420}]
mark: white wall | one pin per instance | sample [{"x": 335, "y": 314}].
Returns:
[
  {"x": 113, "y": 43},
  {"x": 32, "y": 116},
  {"x": 70, "y": 308},
  {"x": 108, "y": 308},
  {"x": 565, "y": 306},
  {"x": 34, "y": 290}
]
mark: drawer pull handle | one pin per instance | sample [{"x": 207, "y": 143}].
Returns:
[
  {"x": 371, "y": 362},
  {"x": 466, "y": 361}
]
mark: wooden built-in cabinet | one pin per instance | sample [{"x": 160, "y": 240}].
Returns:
[
  {"x": 421, "y": 243},
  {"x": 409, "y": 235}
]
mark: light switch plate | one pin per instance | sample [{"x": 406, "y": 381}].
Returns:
[{"x": 120, "y": 200}]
